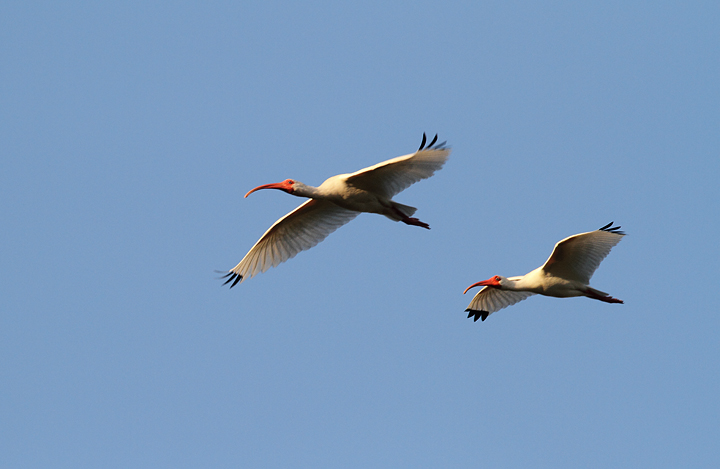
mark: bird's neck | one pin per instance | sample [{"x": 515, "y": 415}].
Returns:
[
  {"x": 303, "y": 190},
  {"x": 531, "y": 281},
  {"x": 516, "y": 284}
]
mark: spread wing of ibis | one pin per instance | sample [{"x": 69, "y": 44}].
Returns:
[
  {"x": 337, "y": 201},
  {"x": 566, "y": 273}
]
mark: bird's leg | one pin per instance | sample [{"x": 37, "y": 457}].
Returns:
[
  {"x": 607, "y": 299},
  {"x": 408, "y": 220},
  {"x": 415, "y": 222}
]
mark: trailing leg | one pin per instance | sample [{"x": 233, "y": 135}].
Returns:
[
  {"x": 406, "y": 219},
  {"x": 602, "y": 296},
  {"x": 415, "y": 222}
]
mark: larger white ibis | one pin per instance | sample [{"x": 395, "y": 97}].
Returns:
[
  {"x": 565, "y": 274},
  {"x": 337, "y": 201}
]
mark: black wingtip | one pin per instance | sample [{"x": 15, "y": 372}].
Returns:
[
  {"x": 233, "y": 276},
  {"x": 237, "y": 279},
  {"x": 477, "y": 314},
  {"x": 439, "y": 146},
  {"x": 612, "y": 229}
]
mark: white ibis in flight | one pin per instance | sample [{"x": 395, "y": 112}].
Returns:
[
  {"x": 565, "y": 274},
  {"x": 337, "y": 201}
]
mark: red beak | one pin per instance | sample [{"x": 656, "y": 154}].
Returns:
[
  {"x": 283, "y": 186},
  {"x": 491, "y": 282}
]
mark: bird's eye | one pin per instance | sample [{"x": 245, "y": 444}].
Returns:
[{"x": 497, "y": 278}]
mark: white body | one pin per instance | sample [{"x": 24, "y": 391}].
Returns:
[
  {"x": 565, "y": 274},
  {"x": 335, "y": 202}
]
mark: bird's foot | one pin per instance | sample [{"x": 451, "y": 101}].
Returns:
[
  {"x": 602, "y": 296},
  {"x": 607, "y": 299},
  {"x": 610, "y": 299},
  {"x": 415, "y": 222}
]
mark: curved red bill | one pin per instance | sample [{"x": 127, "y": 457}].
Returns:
[
  {"x": 283, "y": 186},
  {"x": 491, "y": 282}
]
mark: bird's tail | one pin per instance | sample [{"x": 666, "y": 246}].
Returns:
[
  {"x": 596, "y": 293},
  {"x": 401, "y": 209}
]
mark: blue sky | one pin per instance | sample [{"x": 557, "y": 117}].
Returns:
[{"x": 131, "y": 131}]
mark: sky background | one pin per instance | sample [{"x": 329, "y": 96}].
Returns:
[{"x": 131, "y": 131}]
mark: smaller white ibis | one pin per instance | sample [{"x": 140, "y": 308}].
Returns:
[
  {"x": 337, "y": 201},
  {"x": 565, "y": 274}
]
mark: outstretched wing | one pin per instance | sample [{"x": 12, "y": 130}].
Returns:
[
  {"x": 577, "y": 257},
  {"x": 297, "y": 231},
  {"x": 393, "y": 176},
  {"x": 489, "y": 299}
]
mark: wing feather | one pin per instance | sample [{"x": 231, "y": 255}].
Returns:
[
  {"x": 393, "y": 176},
  {"x": 489, "y": 300},
  {"x": 578, "y": 257},
  {"x": 297, "y": 231}
]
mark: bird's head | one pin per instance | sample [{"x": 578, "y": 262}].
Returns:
[
  {"x": 497, "y": 281},
  {"x": 288, "y": 185}
]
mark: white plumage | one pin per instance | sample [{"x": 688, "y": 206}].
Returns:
[
  {"x": 337, "y": 201},
  {"x": 566, "y": 273}
]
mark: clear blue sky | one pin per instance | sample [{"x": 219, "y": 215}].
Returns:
[{"x": 131, "y": 130}]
